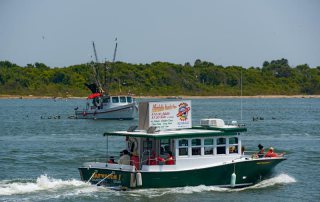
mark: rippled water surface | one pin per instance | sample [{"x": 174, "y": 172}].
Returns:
[{"x": 39, "y": 156}]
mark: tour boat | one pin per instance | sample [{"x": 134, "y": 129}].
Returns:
[{"x": 208, "y": 154}]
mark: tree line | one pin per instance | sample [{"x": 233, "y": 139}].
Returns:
[{"x": 202, "y": 78}]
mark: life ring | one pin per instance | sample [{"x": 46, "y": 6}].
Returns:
[{"x": 133, "y": 145}]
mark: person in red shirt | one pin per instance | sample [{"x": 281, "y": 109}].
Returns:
[
  {"x": 135, "y": 160},
  {"x": 111, "y": 160},
  {"x": 169, "y": 160},
  {"x": 152, "y": 160},
  {"x": 271, "y": 153}
]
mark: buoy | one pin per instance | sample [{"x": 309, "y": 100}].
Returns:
[
  {"x": 233, "y": 180},
  {"x": 133, "y": 180},
  {"x": 139, "y": 179}
]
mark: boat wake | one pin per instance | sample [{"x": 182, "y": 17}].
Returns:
[
  {"x": 281, "y": 179},
  {"x": 45, "y": 188},
  {"x": 42, "y": 183}
]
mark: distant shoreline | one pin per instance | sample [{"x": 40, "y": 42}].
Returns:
[{"x": 163, "y": 97}]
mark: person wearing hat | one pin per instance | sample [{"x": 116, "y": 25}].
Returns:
[
  {"x": 125, "y": 158},
  {"x": 271, "y": 153},
  {"x": 261, "y": 151}
]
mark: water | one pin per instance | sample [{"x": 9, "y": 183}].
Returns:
[{"x": 39, "y": 157}]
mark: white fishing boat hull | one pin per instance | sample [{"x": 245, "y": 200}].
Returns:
[{"x": 119, "y": 112}]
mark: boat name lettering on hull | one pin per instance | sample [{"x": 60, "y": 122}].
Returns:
[
  {"x": 107, "y": 176},
  {"x": 263, "y": 163}
]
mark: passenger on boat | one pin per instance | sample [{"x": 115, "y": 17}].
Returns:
[
  {"x": 152, "y": 160},
  {"x": 135, "y": 160},
  {"x": 261, "y": 151},
  {"x": 125, "y": 158},
  {"x": 169, "y": 160},
  {"x": 111, "y": 160},
  {"x": 232, "y": 149},
  {"x": 271, "y": 153},
  {"x": 242, "y": 150}
]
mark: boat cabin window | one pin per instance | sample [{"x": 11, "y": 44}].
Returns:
[
  {"x": 123, "y": 99},
  {"x": 164, "y": 146},
  {"x": 147, "y": 146},
  {"x": 115, "y": 99},
  {"x": 221, "y": 145},
  {"x": 208, "y": 146},
  {"x": 196, "y": 147},
  {"x": 233, "y": 145},
  {"x": 106, "y": 100},
  {"x": 183, "y": 147},
  {"x": 129, "y": 99}
]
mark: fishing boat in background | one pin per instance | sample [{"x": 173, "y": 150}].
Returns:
[
  {"x": 104, "y": 106},
  {"x": 167, "y": 151},
  {"x": 101, "y": 105}
]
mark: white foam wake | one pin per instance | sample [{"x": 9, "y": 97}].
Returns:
[
  {"x": 74, "y": 187},
  {"x": 277, "y": 180},
  {"x": 42, "y": 183}
]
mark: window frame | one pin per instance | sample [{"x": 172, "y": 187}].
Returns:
[
  {"x": 236, "y": 145},
  {"x": 213, "y": 146},
  {"x": 221, "y": 145},
  {"x": 113, "y": 98},
  {"x": 183, "y": 147},
  {"x": 122, "y": 99},
  {"x": 196, "y": 146}
]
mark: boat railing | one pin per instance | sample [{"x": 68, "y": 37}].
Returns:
[
  {"x": 137, "y": 164},
  {"x": 246, "y": 153}
]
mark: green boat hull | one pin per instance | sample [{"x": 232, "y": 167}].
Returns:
[{"x": 247, "y": 173}]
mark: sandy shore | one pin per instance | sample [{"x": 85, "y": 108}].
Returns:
[{"x": 159, "y": 97}]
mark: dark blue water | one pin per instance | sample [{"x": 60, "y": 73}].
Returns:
[{"x": 39, "y": 157}]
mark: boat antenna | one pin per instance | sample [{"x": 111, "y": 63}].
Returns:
[{"x": 241, "y": 95}]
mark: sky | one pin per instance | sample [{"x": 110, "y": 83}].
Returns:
[{"x": 245, "y": 33}]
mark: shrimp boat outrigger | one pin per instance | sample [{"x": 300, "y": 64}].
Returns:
[
  {"x": 208, "y": 154},
  {"x": 100, "y": 105}
]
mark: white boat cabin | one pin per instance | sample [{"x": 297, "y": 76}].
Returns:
[
  {"x": 109, "y": 102},
  {"x": 200, "y": 146}
]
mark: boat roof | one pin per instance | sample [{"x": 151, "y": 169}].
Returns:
[{"x": 175, "y": 134}]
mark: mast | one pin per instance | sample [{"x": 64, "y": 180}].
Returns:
[
  {"x": 115, "y": 51},
  {"x": 114, "y": 59},
  {"x": 95, "y": 70}
]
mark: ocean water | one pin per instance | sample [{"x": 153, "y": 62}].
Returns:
[{"x": 39, "y": 155}]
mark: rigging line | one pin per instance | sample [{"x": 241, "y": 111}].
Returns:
[
  {"x": 105, "y": 178},
  {"x": 92, "y": 176}
]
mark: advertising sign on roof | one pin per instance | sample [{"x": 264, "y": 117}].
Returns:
[{"x": 170, "y": 115}]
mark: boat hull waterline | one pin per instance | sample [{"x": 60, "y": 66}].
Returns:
[
  {"x": 247, "y": 172},
  {"x": 122, "y": 112}
]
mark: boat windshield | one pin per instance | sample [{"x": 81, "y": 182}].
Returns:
[{"x": 129, "y": 99}]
